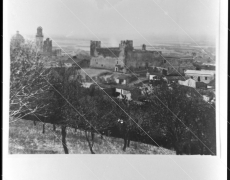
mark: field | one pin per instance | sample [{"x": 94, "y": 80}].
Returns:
[{"x": 26, "y": 138}]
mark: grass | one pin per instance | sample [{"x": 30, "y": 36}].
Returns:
[{"x": 26, "y": 138}]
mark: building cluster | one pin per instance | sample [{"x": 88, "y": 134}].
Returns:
[
  {"x": 152, "y": 67},
  {"x": 123, "y": 69},
  {"x": 45, "y": 47}
]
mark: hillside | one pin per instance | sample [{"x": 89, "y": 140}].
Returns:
[{"x": 26, "y": 138}]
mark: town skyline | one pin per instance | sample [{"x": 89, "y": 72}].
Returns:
[{"x": 155, "y": 20}]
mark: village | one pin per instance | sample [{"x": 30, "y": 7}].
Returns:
[
  {"x": 115, "y": 89},
  {"x": 123, "y": 69},
  {"x": 123, "y": 76}
]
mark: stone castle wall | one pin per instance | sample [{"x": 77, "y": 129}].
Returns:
[
  {"x": 135, "y": 60},
  {"x": 106, "y": 62},
  {"x": 178, "y": 66},
  {"x": 143, "y": 59}
]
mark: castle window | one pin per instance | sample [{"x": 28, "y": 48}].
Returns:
[
  {"x": 164, "y": 61},
  {"x": 117, "y": 62},
  {"x": 206, "y": 78}
]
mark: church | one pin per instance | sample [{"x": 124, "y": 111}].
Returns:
[
  {"x": 17, "y": 39},
  {"x": 45, "y": 46}
]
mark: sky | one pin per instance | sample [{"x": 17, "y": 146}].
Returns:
[{"x": 146, "y": 21}]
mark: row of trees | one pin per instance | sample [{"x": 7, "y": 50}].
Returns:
[{"x": 177, "y": 114}]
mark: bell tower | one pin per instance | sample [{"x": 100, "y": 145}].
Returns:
[{"x": 39, "y": 39}]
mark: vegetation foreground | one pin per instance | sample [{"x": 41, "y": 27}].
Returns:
[{"x": 26, "y": 138}]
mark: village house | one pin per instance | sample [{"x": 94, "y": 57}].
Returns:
[
  {"x": 124, "y": 79},
  {"x": 189, "y": 82},
  {"x": 125, "y": 91},
  {"x": 205, "y": 76}
]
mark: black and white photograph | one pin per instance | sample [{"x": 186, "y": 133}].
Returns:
[{"x": 114, "y": 77}]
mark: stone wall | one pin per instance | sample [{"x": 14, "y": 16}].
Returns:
[
  {"x": 178, "y": 66},
  {"x": 106, "y": 58},
  {"x": 143, "y": 59},
  {"x": 106, "y": 62}
]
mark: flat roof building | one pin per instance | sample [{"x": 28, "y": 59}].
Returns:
[{"x": 201, "y": 75}]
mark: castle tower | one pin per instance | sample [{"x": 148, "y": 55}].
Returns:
[
  {"x": 94, "y": 45},
  {"x": 143, "y": 47},
  {"x": 128, "y": 45},
  {"x": 39, "y": 39},
  {"x": 47, "y": 47}
]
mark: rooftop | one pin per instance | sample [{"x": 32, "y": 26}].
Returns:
[
  {"x": 177, "y": 56},
  {"x": 123, "y": 76},
  {"x": 200, "y": 72},
  {"x": 119, "y": 86}
]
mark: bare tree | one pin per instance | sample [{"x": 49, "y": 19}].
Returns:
[
  {"x": 97, "y": 115},
  {"x": 27, "y": 84}
]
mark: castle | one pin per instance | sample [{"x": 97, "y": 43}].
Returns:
[
  {"x": 123, "y": 57},
  {"x": 45, "y": 47},
  {"x": 126, "y": 57}
]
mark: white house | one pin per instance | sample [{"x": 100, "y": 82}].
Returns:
[
  {"x": 151, "y": 76},
  {"x": 206, "y": 98},
  {"x": 189, "y": 82},
  {"x": 123, "y": 79},
  {"x": 123, "y": 92},
  {"x": 201, "y": 75},
  {"x": 86, "y": 84}
]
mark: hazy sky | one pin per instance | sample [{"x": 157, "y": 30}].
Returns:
[{"x": 116, "y": 19}]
